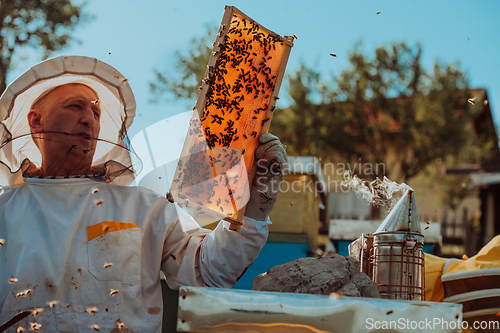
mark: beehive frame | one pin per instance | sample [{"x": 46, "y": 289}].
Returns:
[{"x": 238, "y": 93}]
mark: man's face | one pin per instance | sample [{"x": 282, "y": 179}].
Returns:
[
  {"x": 72, "y": 109},
  {"x": 66, "y": 125}
]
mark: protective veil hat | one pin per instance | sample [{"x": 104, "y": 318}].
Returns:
[{"x": 18, "y": 151}]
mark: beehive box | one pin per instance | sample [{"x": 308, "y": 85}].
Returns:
[
  {"x": 297, "y": 211},
  {"x": 235, "y": 105}
]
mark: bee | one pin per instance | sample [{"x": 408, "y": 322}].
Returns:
[
  {"x": 294, "y": 36},
  {"x": 51, "y": 304},
  {"x": 95, "y": 102},
  {"x": 2, "y": 241},
  {"x": 170, "y": 198},
  {"x": 378, "y": 13},
  {"x": 472, "y": 100},
  {"x": 35, "y": 326},
  {"x": 105, "y": 228},
  {"x": 426, "y": 228},
  {"x": 333, "y": 54},
  {"x": 390, "y": 311},
  {"x": 119, "y": 324},
  {"x": 97, "y": 202},
  {"x": 95, "y": 190},
  {"x": 20, "y": 329},
  {"x": 36, "y": 312},
  {"x": 95, "y": 327},
  {"x": 335, "y": 295},
  {"x": 107, "y": 265},
  {"x": 12, "y": 280},
  {"x": 113, "y": 292},
  {"x": 92, "y": 310}
]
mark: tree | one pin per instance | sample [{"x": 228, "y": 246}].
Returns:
[
  {"x": 46, "y": 25},
  {"x": 190, "y": 70},
  {"x": 384, "y": 105},
  {"x": 388, "y": 102}
]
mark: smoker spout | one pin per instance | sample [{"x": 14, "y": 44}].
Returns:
[{"x": 403, "y": 217}]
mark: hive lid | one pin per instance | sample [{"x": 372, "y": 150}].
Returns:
[{"x": 403, "y": 217}]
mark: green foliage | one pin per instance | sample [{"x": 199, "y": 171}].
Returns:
[
  {"x": 384, "y": 106},
  {"x": 190, "y": 70},
  {"x": 42, "y": 24},
  {"x": 383, "y": 109}
]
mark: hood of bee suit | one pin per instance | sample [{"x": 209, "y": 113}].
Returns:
[{"x": 113, "y": 155}]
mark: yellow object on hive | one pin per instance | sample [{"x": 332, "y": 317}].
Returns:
[{"x": 235, "y": 106}]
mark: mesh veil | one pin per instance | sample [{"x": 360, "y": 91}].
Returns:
[{"x": 18, "y": 151}]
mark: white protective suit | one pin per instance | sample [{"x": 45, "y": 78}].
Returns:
[
  {"x": 89, "y": 252},
  {"x": 57, "y": 244}
]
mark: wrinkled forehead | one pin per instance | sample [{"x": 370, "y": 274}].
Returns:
[{"x": 67, "y": 91}]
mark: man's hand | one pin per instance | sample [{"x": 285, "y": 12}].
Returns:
[{"x": 271, "y": 159}]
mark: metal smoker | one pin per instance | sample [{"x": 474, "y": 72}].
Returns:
[{"x": 397, "y": 258}]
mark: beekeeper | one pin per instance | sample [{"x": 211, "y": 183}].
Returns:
[{"x": 79, "y": 247}]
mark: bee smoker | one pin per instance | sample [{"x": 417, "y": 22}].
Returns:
[
  {"x": 397, "y": 255},
  {"x": 393, "y": 255}
]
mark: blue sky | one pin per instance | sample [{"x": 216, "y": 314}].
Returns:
[{"x": 142, "y": 35}]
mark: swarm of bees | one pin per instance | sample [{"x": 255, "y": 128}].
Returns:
[{"x": 239, "y": 95}]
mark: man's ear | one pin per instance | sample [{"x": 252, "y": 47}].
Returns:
[{"x": 35, "y": 120}]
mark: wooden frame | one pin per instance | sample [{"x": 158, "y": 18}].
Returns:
[{"x": 226, "y": 63}]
